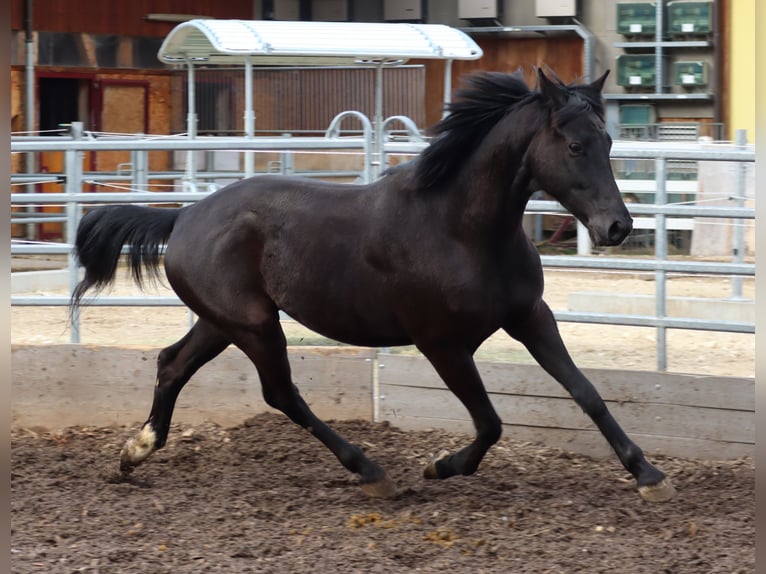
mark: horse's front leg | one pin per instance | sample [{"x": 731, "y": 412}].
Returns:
[
  {"x": 458, "y": 370},
  {"x": 539, "y": 333}
]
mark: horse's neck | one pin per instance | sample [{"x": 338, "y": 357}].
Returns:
[{"x": 497, "y": 181}]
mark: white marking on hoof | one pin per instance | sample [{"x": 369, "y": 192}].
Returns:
[
  {"x": 660, "y": 492},
  {"x": 138, "y": 448},
  {"x": 383, "y": 488},
  {"x": 430, "y": 471}
]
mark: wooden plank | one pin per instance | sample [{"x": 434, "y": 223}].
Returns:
[
  {"x": 613, "y": 385},
  {"x": 679, "y": 415},
  {"x": 62, "y": 385},
  {"x": 651, "y": 419},
  {"x": 588, "y": 441}
]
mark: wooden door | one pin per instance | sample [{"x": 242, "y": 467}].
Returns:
[{"x": 120, "y": 107}]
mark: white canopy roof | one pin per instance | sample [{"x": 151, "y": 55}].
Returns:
[{"x": 273, "y": 42}]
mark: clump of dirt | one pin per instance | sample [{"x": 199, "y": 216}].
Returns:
[{"x": 265, "y": 496}]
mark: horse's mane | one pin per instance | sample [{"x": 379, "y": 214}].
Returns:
[{"x": 482, "y": 101}]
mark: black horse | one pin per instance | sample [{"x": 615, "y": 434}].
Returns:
[{"x": 431, "y": 254}]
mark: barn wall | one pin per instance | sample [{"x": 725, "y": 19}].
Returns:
[
  {"x": 679, "y": 415},
  {"x": 121, "y": 18},
  {"x": 563, "y": 54}
]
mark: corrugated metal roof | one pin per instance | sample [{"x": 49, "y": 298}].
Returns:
[{"x": 273, "y": 42}]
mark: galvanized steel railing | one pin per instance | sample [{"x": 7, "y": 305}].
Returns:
[{"x": 73, "y": 199}]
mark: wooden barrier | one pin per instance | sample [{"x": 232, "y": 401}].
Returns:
[
  {"x": 681, "y": 415},
  {"x": 55, "y": 386},
  {"x": 678, "y": 415}
]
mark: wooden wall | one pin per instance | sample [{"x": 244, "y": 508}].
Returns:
[
  {"x": 563, "y": 54},
  {"x": 677, "y": 415},
  {"x": 54, "y": 386},
  {"x": 120, "y": 18}
]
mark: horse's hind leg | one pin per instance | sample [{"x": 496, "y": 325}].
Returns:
[
  {"x": 539, "y": 333},
  {"x": 264, "y": 343},
  {"x": 175, "y": 366}
]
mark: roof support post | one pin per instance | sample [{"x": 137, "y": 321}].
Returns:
[
  {"x": 191, "y": 126},
  {"x": 249, "y": 117},
  {"x": 378, "y": 121},
  {"x": 447, "y": 86}
]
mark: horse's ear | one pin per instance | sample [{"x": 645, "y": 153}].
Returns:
[
  {"x": 552, "y": 90},
  {"x": 597, "y": 86}
]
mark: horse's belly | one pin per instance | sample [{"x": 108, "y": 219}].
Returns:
[
  {"x": 369, "y": 330},
  {"x": 351, "y": 312}
]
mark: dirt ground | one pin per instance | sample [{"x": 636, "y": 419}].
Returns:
[{"x": 265, "y": 496}]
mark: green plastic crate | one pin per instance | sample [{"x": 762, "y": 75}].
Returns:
[
  {"x": 636, "y": 70},
  {"x": 690, "y": 74},
  {"x": 636, "y": 114},
  {"x": 637, "y": 18},
  {"x": 690, "y": 18}
]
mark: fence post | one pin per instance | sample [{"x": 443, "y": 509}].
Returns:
[
  {"x": 738, "y": 230},
  {"x": 660, "y": 254},
  {"x": 584, "y": 246},
  {"x": 73, "y": 168}
]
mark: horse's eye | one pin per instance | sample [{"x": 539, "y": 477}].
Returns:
[{"x": 575, "y": 148}]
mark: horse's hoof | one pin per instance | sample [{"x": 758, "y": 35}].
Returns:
[
  {"x": 660, "y": 492},
  {"x": 138, "y": 448},
  {"x": 430, "y": 472},
  {"x": 381, "y": 488}
]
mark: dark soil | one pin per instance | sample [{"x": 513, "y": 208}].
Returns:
[{"x": 267, "y": 497}]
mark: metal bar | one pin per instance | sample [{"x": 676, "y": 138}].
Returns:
[
  {"x": 110, "y": 301},
  {"x": 661, "y": 255},
  {"x": 566, "y": 316},
  {"x": 679, "y": 150},
  {"x": 26, "y": 220},
  {"x": 377, "y": 162},
  {"x": 183, "y": 143},
  {"x": 73, "y": 163},
  {"x": 657, "y": 322},
  {"x": 619, "y": 264},
  {"x": 533, "y": 206},
  {"x": 738, "y": 231},
  {"x": 140, "y": 175},
  {"x": 584, "y": 245},
  {"x": 249, "y": 116},
  {"x": 620, "y": 149},
  {"x": 29, "y": 108},
  {"x": 651, "y": 209},
  {"x": 447, "y": 97},
  {"x": 548, "y": 261},
  {"x": 659, "y": 27},
  {"x": 96, "y": 177},
  {"x": 664, "y": 44}
]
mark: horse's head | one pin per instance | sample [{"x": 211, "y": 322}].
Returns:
[{"x": 569, "y": 159}]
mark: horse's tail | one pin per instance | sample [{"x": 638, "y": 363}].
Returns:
[{"x": 102, "y": 234}]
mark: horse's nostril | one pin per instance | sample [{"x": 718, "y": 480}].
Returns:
[{"x": 618, "y": 231}]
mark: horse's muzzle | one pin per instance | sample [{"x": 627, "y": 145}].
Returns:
[{"x": 618, "y": 231}]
